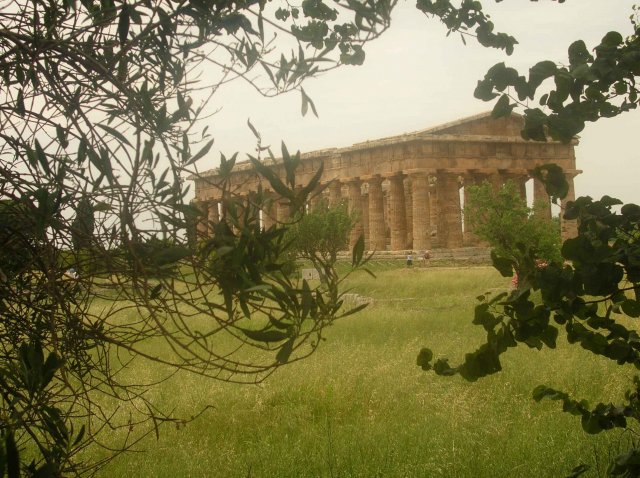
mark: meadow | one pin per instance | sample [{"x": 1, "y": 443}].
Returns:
[{"x": 360, "y": 407}]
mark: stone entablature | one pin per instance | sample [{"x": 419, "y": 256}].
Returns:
[{"x": 406, "y": 189}]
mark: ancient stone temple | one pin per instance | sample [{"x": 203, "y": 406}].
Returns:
[{"x": 409, "y": 190}]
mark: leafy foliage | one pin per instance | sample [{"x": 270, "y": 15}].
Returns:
[
  {"x": 600, "y": 82},
  {"x": 594, "y": 290},
  {"x": 588, "y": 297},
  {"x": 321, "y": 232},
  {"x": 513, "y": 230},
  {"x": 99, "y": 108}
]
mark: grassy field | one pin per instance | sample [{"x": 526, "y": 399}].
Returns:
[{"x": 360, "y": 407}]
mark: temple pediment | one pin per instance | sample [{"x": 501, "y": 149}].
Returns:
[{"x": 480, "y": 125}]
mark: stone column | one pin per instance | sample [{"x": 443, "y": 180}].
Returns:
[
  {"x": 314, "y": 200},
  {"x": 568, "y": 229},
  {"x": 450, "y": 221},
  {"x": 224, "y": 208},
  {"x": 421, "y": 212},
  {"x": 376, "y": 215},
  {"x": 335, "y": 193},
  {"x": 268, "y": 219},
  {"x": 433, "y": 213},
  {"x": 541, "y": 202},
  {"x": 355, "y": 210},
  {"x": 214, "y": 216},
  {"x": 202, "y": 229},
  {"x": 496, "y": 181},
  {"x": 520, "y": 181},
  {"x": 283, "y": 210},
  {"x": 470, "y": 238},
  {"x": 397, "y": 214},
  {"x": 365, "y": 219},
  {"x": 408, "y": 204}
]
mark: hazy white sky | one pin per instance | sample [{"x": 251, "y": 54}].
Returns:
[{"x": 415, "y": 77}]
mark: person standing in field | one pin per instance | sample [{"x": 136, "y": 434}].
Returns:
[
  {"x": 425, "y": 258},
  {"x": 410, "y": 260}
]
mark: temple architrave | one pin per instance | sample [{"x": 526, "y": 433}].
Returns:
[{"x": 408, "y": 191}]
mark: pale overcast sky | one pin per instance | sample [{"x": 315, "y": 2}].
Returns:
[{"x": 414, "y": 77}]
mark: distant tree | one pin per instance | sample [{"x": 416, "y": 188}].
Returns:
[
  {"x": 321, "y": 232},
  {"x": 512, "y": 229}
]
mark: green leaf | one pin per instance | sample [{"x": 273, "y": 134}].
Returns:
[
  {"x": 358, "y": 251},
  {"x": 502, "y": 264},
  {"x": 555, "y": 183},
  {"x": 612, "y": 39},
  {"x": 20, "y": 103},
  {"x": 200, "y": 153},
  {"x": 578, "y": 53},
  {"x": 13, "y": 458},
  {"x": 265, "y": 335},
  {"x": 540, "y": 72},
  {"x": 80, "y": 436},
  {"x": 155, "y": 292},
  {"x": 270, "y": 175},
  {"x": 549, "y": 336},
  {"x": 285, "y": 351},
  {"x": 306, "y": 103},
  {"x": 42, "y": 157},
  {"x": 502, "y": 107},
  {"x": 253, "y": 129},
  {"x": 123, "y": 24},
  {"x": 51, "y": 365},
  {"x": 631, "y": 308},
  {"x": 484, "y": 90},
  {"x": 115, "y": 133}
]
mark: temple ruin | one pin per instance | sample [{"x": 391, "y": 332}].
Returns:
[{"x": 408, "y": 190}]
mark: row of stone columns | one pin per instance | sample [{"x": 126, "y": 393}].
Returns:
[{"x": 413, "y": 208}]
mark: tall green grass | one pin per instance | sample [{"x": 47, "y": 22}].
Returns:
[{"x": 360, "y": 407}]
